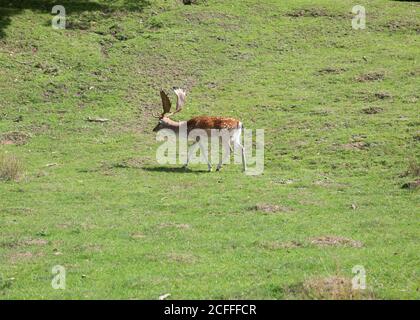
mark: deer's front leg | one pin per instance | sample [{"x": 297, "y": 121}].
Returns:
[{"x": 190, "y": 151}]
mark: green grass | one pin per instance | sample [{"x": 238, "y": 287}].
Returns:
[{"x": 94, "y": 200}]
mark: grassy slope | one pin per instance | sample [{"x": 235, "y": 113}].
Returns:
[{"x": 127, "y": 229}]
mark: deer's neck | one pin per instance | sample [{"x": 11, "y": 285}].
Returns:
[{"x": 173, "y": 125}]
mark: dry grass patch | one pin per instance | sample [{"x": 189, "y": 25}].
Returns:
[
  {"x": 383, "y": 95},
  {"x": 324, "y": 241},
  {"x": 17, "y": 211},
  {"x": 328, "y": 288},
  {"x": 174, "y": 225},
  {"x": 223, "y": 20},
  {"x": 23, "y": 257},
  {"x": 10, "y": 168},
  {"x": 270, "y": 208},
  {"x": 35, "y": 242},
  {"x": 14, "y": 137},
  {"x": 181, "y": 257},
  {"x": 403, "y": 25},
  {"x": 137, "y": 235},
  {"x": 371, "y": 76},
  {"x": 358, "y": 145},
  {"x": 413, "y": 169}
]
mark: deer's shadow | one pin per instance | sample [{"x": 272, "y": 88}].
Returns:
[
  {"x": 174, "y": 170},
  {"x": 8, "y": 8}
]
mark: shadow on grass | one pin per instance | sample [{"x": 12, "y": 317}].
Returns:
[
  {"x": 173, "y": 170},
  {"x": 9, "y": 8}
]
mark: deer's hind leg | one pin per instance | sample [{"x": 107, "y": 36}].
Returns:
[
  {"x": 237, "y": 143},
  {"x": 226, "y": 155},
  {"x": 204, "y": 152}
]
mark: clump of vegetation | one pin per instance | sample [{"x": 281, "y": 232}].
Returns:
[
  {"x": 5, "y": 283},
  {"x": 188, "y": 2},
  {"x": 155, "y": 23},
  {"x": 372, "y": 110},
  {"x": 334, "y": 287},
  {"x": 413, "y": 168},
  {"x": 14, "y": 137},
  {"x": 10, "y": 168}
]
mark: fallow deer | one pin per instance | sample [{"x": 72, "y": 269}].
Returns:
[{"x": 230, "y": 125}]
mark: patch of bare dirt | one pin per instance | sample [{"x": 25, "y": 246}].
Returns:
[
  {"x": 9, "y": 243},
  {"x": 271, "y": 208},
  {"x": 47, "y": 68},
  {"x": 133, "y": 163},
  {"x": 358, "y": 145},
  {"x": 22, "y": 256},
  {"x": 64, "y": 225},
  {"x": 14, "y": 137},
  {"x": 372, "y": 110},
  {"x": 174, "y": 225},
  {"x": 383, "y": 95},
  {"x": 275, "y": 245},
  {"x": 328, "y": 183},
  {"x": 181, "y": 257},
  {"x": 108, "y": 169},
  {"x": 411, "y": 185},
  {"x": 413, "y": 169},
  {"x": 90, "y": 247},
  {"x": 35, "y": 242},
  {"x": 371, "y": 76},
  {"x": 137, "y": 235},
  {"x": 77, "y": 25},
  {"x": 332, "y": 288},
  {"x": 313, "y": 13},
  {"x": 325, "y": 288},
  {"x": 17, "y": 211},
  {"x": 335, "y": 241},
  {"x": 331, "y": 70},
  {"x": 223, "y": 20},
  {"x": 403, "y": 25}
]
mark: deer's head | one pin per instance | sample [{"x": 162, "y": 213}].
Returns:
[{"x": 166, "y": 103}]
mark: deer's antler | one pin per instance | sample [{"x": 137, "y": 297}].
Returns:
[
  {"x": 180, "y": 94},
  {"x": 166, "y": 103}
]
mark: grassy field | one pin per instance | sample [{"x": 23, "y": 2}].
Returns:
[{"x": 340, "y": 110}]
